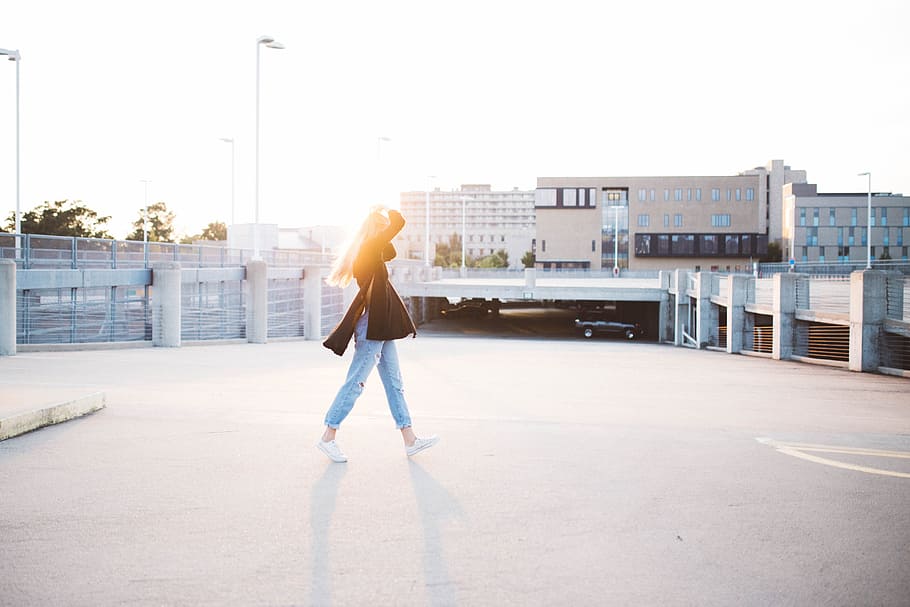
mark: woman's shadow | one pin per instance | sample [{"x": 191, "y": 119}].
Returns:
[
  {"x": 322, "y": 506},
  {"x": 435, "y": 504}
]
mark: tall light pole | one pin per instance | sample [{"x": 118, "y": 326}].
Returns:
[
  {"x": 270, "y": 43},
  {"x": 145, "y": 212},
  {"x": 464, "y": 229},
  {"x": 231, "y": 141},
  {"x": 426, "y": 251},
  {"x": 868, "y": 220},
  {"x": 616, "y": 209},
  {"x": 15, "y": 56}
]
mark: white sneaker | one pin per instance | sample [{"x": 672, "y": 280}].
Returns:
[
  {"x": 420, "y": 444},
  {"x": 332, "y": 450}
]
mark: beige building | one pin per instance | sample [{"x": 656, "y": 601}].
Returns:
[
  {"x": 486, "y": 219},
  {"x": 833, "y": 227},
  {"x": 647, "y": 223}
]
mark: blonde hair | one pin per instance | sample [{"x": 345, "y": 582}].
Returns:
[{"x": 342, "y": 271}]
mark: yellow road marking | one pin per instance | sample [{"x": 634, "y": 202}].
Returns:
[{"x": 799, "y": 450}]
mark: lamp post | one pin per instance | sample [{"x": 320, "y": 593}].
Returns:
[
  {"x": 426, "y": 252},
  {"x": 269, "y": 42},
  {"x": 231, "y": 141},
  {"x": 616, "y": 209},
  {"x": 145, "y": 212},
  {"x": 868, "y": 220},
  {"x": 15, "y": 56},
  {"x": 464, "y": 230}
]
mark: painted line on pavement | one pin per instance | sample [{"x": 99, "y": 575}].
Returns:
[{"x": 800, "y": 450}]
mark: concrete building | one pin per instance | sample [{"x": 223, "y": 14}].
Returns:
[
  {"x": 488, "y": 221},
  {"x": 648, "y": 223},
  {"x": 834, "y": 227}
]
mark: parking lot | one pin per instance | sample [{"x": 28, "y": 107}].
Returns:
[{"x": 570, "y": 471}]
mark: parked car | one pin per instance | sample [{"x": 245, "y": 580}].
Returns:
[
  {"x": 472, "y": 308},
  {"x": 591, "y": 326}
]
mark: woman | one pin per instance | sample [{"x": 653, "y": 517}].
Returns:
[{"x": 376, "y": 318}]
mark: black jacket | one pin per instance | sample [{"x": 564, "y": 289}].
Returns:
[{"x": 388, "y": 316}]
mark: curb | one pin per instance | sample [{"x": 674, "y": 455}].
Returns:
[{"x": 21, "y": 423}]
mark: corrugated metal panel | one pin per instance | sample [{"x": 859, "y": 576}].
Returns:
[
  {"x": 285, "y": 302},
  {"x": 212, "y": 310}
]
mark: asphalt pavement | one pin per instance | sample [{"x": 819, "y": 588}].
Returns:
[{"x": 570, "y": 472}]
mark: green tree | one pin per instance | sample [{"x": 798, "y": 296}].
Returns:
[
  {"x": 499, "y": 259},
  {"x": 448, "y": 254},
  {"x": 61, "y": 218},
  {"x": 528, "y": 259},
  {"x": 774, "y": 253},
  {"x": 216, "y": 230},
  {"x": 160, "y": 224}
]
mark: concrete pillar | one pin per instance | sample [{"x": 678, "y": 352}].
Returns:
[
  {"x": 703, "y": 308},
  {"x": 868, "y": 308},
  {"x": 681, "y": 313},
  {"x": 736, "y": 311},
  {"x": 257, "y": 301},
  {"x": 7, "y": 307},
  {"x": 312, "y": 303},
  {"x": 784, "y": 314},
  {"x": 166, "y": 284}
]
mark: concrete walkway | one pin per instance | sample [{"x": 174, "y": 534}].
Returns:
[{"x": 569, "y": 472}]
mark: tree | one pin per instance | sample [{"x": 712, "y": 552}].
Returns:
[
  {"x": 528, "y": 259},
  {"x": 62, "y": 218},
  {"x": 774, "y": 253},
  {"x": 216, "y": 230},
  {"x": 499, "y": 259},
  {"x": 160, "y": 224},
  {"x": 448, "y": 254}
]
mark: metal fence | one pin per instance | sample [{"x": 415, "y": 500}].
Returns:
[
  {"x": 83, "y": 315},
  {"x": 34, "y": 251},
  {"x": 212, "y": 310},
  {"x": 828, "y": 294},
  {"x": 285, "y": 305}
]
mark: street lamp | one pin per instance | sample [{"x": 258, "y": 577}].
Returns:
[
  {"x": 145, "y": 213},
  {"x": 269, "y": 42},
  {"x": 616, "y": 209},
  {"x": 231, "y": 141},
  {"x": 426, "y": 252},
  {"x": 15, "y": 56},
  {"x": 868, "y": 220},
  {"x": 464, "y": 231}
]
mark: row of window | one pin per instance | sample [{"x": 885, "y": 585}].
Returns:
[
  {"x": 586, "y": 198},
  {"x": 843, "y": 253},
  {"x": 719, "y": 220},
  {"x": 810, "y": 216},
  {"x": 701, "y": 245},
  {"x": 694, "y": 194},
  {"x": 847, "y": 236}
]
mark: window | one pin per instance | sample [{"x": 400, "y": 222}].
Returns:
[
  {"x": 708, "y": 244},
  {"x": 731, "y": 244},
  {"x": 729, "y": 194},
  {"x": 883, "y": 213},
  {"x": 653, "y": 193},
  {"x": 697, "y": 194},
  {"x": 814, "y": 217},
  {"x": 677, "y": 194},
  {"x": 852, "y": 217},
  {"x": 642, "y": 195},
  {"x": 689, "y": 194},
  {"x": 750, "y": 193},
  {"x": 715, "y": 194},
  {"x": 678, "y": 220},
  {"x": 720, "y": 221},
  {"x": 543, "y": 246},
  {"x": 644, "y": 221},
  {"x": 802, "y": 217},
  {"x": 593, "y": 246},
  {"x": 851, "y": 236},
  {"x": 832, "y": 217},
  {"x": 545, "y": 197},
  {"x": 739, "y": 194},
  {"x": 666, "y": 220},
  {"x": 906, "y": 222},
  {"x": 666, "y": 195}
]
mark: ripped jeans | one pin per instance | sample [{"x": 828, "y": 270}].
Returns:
[{"x": 369, "y": 353}]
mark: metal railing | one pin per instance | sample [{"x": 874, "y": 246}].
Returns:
[
  {"x": 830, "y": 269},
  {"x": 35, "y": 251},
  {"x": 829, "y": 294}
]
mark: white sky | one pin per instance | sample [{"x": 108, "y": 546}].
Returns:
[{"x": 487, "y": 91}]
